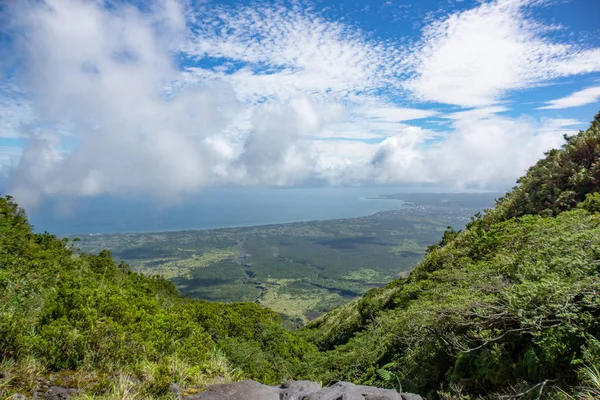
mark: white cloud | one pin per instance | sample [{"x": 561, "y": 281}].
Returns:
[
  {"x": 476, "y": 113},
  {"x": 399, "y": 158},
  {"x": 350, "y": 130},
  {"x": 480, "y": 151},
  {"x": 344, "y": 151},
  {"x": 9, "y": 155},
  {"x": 580, "y": 98},
  {"x": 103, "y": 72},
  {"x": 285, "y": 52},
  {"x": 14, "y": 111},
  {"x": 277, "y": 150},
  {"x": 494, "y": 149},
  {"x": 475, "y": 57},
  {"x": 342, "y": 162},
  {"x": 267, "y": 95},
  {"x": 397, "y": 114}
]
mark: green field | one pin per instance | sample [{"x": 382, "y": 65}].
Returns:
[{"x": 300, "y": 270}]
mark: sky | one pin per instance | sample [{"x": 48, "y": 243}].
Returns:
[{"x": 165, "y": 98}]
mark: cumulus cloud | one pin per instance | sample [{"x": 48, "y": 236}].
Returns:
[
  {"x": 586, "y": 96},
  {"x": 399, "y": 158},
  {"x": 474, "y": 58},
  {"x": 110, "y": 75},
  {"x": 493, "y": 149},
  {"x": 276, "y": 152},
  {"x": 103, "y": 72},
  {"x": 162, "y": 100},
  {"x": 480, "y": 151}
]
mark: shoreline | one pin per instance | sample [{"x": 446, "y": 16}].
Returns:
[{"x": 152, "y": 232}]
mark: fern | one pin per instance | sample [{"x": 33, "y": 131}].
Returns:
[{"x": 390, "y": 378}]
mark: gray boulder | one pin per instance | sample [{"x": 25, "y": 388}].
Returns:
[
  {"x": 298, "y": 390},
  {"x": 244, "y": 390},
  {"x": 350, "y": 391},
  {"x": 410, "y": 396}
]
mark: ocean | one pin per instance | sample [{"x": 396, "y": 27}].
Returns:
[{"x": 212, "y": 208}]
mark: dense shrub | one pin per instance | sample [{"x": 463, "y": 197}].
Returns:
[
  {"x": 73, "y": 311},
  {"x": 509, "y": 305}
]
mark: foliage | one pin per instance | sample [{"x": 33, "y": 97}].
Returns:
[
  {"x": 557, "y": 182},
  {"x": 389, "y": 375},
  {"x": 510, "y": 305},
  {"x": 63, "y": 310},
  {"x": 301, "y": 269}
]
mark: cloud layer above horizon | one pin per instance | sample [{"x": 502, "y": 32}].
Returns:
[{"x": 169, "y": 98}]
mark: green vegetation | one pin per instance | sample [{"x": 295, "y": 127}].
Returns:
[
  {"x": 507, "y": 308},
  {"x": 299, "y": 270},
  {"x": 510, "y": 305},
  {"x": 80, "y": 317}
]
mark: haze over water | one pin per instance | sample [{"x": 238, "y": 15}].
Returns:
[{"x": 215, "y": 208}]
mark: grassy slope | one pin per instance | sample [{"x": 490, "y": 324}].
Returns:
[{"x": 511, "y": 302}]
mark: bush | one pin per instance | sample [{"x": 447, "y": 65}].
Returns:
[{"x": 72, "y": 311}]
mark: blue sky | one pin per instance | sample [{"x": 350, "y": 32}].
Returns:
[{"x": 169, "y": 97}]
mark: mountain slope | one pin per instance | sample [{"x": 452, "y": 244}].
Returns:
[
  {"x": 62, "y": 310},
  {"x": 510, "y": 304}
]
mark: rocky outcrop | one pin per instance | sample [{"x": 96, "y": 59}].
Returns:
[
  {"x": 298, "y": 390},
  {"x": 252, "y": 390}
]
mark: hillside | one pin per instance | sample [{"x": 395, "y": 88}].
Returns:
[
  {"x": 510, "y": 305},
  {"x": 73, "y": 317}
]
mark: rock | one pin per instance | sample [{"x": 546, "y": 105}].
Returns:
[
  {"x": 410, "y": 396},
  {"x": 245, "y": 390},
  {"x": 18, "y": 396},
  {"x": 59, "y": 393},
  {"x": 299, "y": 390},
  {"x": 350, "y": 391},
  {"x": 175, "y": 389}
]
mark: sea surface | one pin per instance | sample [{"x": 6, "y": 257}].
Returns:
[{"x": 213, "y": 208}]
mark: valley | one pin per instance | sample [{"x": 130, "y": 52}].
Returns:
[{"x": 299, "y": 270}]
